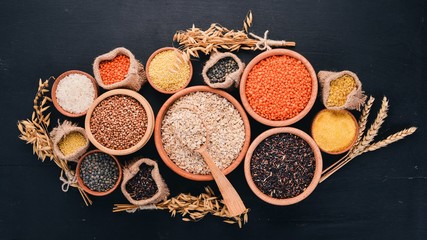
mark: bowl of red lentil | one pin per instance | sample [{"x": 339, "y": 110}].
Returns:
[
  {"x": 225, "y": 120},
  {"x": 119, "y": 122},
  {"x": 73, "y": 92},
  {"x": 283, "y": 166},
  {"x": 278, "y": 87},
  {"x": 167, "y": 72},
  {"x": 98, "y": 173}
]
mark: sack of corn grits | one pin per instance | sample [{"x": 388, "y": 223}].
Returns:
[{"x": 341, "y": 90}]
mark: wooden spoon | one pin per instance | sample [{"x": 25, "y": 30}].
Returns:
[{"x": 198, "y": 142}]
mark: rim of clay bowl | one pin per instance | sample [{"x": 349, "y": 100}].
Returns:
[
  {"x": 55, "y": 86},
  {"x": 147, "y": 70},
  {"x": 84, "y": 187},
  {"x": 158, "y": 137},
  {"x": 346, "y": 148},
  {"x": 317, "y": 170},
  {"x": 150, "y": 121},
  {"x": 262, "y": 56}
]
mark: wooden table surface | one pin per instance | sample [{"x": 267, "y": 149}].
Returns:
[{"x": 379, "y": 195}]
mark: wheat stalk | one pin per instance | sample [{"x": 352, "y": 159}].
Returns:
[
  {"x": 191, "y": 208},
  {"x": 391, "y": 139},
  {"x": 364, "y": 143},
  {"x": 35, "y": 131}
]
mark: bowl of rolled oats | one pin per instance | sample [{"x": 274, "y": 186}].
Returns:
[{"x": 223, "y": 120}]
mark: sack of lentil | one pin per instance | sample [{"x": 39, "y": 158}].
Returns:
[
  {"x": 142, "y": 183},
  {"x": 223, "y": 70},
  {"x": 119, "y": 69},
  {"x": 69, "y": 141},
  {"x": 341, "y": 90}
]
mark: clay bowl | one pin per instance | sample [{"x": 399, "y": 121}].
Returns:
[
  {"x": 344, "y": 148},
  {"x": 317, "y": 170},
  {"x": 262, "y": 56},
  {"x": 88, "y": 190},
  {"x": 147, "y": 69},
  {"x": 55, "y": 86},
  {"x": 158, "y": 138},
  {"x": 148, "y": 132}
]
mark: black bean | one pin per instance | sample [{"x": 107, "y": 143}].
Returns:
[
  {"x": 219, "y": 71},
  {"x": 142, "y": 185},
  {"x": 282, "y": 165}
]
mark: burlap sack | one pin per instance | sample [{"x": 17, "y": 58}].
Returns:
[
  {"x": 355, "y": 100},
  {"x": 232, "y": 79},
  {"x": 63, "y": 130},
  {"x": 134, "y": 79},
  {"x": 162, "y": 189}
]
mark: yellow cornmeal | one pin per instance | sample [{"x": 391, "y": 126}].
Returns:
[
  {"x": 167, "y": 72},
  {"x": 339, "y": 90},
  {"x": 71, "y": 143},
  {"x": 334, "y": 131}
]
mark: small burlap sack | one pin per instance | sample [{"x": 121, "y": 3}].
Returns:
[
  {"x": 355, "y": 99},
  {"x": 134, "y": 79},
  {"x": 63, "y": 130},
  {"x": 231, "y": 79},
  {"x": 162, "y": 189}
]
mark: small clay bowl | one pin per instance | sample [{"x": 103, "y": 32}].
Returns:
[
  {"x": 88, "y": 190},
  {"x": 256, "y": 60},
  {"x": 158, "y": 138},
  {"x": 147, "y": 69},
  {"x": 343, "y": 149},
  {"x": 150, "y": 121},
  {"x": 55, "y": 86},
  {"x": 317, "y": 170}
]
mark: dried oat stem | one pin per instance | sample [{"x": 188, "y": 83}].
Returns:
[
  {"x": 35, "y": 131},
  {"x": 191, "y": 208},
  {"x": 195, "y": 40},
  {"x": 364, "y": 141}
]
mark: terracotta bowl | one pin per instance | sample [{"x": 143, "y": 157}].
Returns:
[
  {"x": 86, "y": 189},
  {"x": 158, "y": 138},
  {"x": 262, "y": 56},
  {"x": 150, "y": 121},
  {"x": 147, "y": 69},
  {"x": 317, "y": 170},
  {"x": 55, "y": 86},
  {"x": 346, "y": 148}
]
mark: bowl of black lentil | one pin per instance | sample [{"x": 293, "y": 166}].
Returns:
[
  {"x": 283, "y": 166},
  {"x": 98, "y": 173}
]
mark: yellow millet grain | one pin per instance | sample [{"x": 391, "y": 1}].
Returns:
[
  {"x": 339, "y": 90},
  {"x": 167, "y": 72},
  {"x": 71, "y": 143},
  {"x": 334, "y": 130}
]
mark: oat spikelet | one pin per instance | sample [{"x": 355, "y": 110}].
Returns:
[
  {"x": 391, "y": 139},
  {"x": 247, "y": 23},
  {"x": 191, "y": 208},
  {"x": 216, "y": 37}
]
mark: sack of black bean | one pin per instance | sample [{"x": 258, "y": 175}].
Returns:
[
  {"x": 341, "y": 90},
  {"x": 119, "y": 69},
  {"x": 223, "y": 70},
  {"x": 69, "y": 141},
  {"x": 142, "y": 183}
]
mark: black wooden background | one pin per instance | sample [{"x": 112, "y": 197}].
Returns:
[{"x": 380, "y": 195}]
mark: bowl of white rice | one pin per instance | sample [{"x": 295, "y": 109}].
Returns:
[{"x": 73, "y": 92}]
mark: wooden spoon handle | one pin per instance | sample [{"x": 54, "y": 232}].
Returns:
[{"x": 231, "y": 198}]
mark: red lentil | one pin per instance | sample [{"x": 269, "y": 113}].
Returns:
[
  {"x": 279, "y": 87},
  {"x": 115, "y": 70}
]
